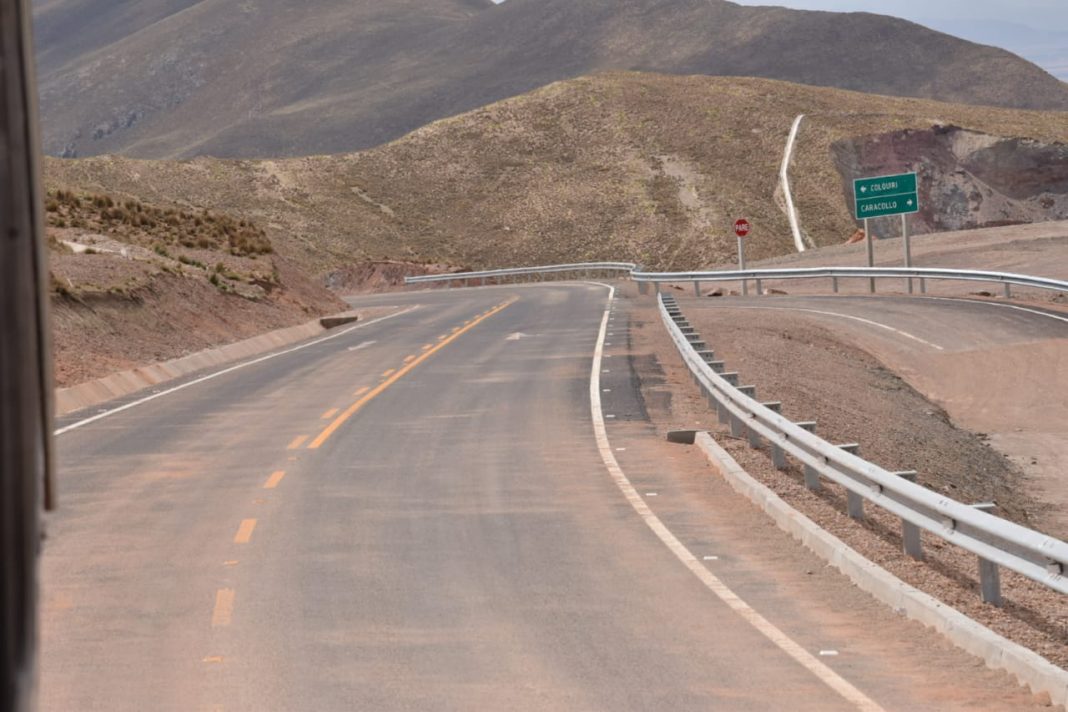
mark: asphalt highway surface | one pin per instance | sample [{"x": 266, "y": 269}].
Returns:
[{"x": 426, "y": 513}]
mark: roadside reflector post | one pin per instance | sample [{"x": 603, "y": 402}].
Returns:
[{"x": 990, "y": 582}]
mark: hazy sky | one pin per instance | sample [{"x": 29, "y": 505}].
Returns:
[
  {"x": 1039, "y": 13},
  {"x": 1035, "y": 29}
]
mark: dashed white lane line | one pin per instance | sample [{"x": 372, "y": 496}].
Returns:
[
  {"x": 862, "y": 320},
  {"x": 105, "y": 413},
  {"x": 810, "y": 662}
]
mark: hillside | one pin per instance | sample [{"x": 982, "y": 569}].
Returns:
[
  {"x": 135, "y": 283},
  {"x": 178, "y": 78},
  {"x": 643, "y": 167}
]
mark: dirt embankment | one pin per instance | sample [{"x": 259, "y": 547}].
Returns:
[
  {"x": 378, "y": 276},
  {"x": 134, "y": 284}
]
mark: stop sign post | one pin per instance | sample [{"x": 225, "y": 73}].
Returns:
[{"x": 742, "y": 229}]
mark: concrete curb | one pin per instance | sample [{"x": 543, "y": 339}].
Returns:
[
  {"x": 101, "y": 390},
  {"x": 1030, "y": 668}
]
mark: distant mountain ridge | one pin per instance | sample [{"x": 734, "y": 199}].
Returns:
[{"x": 258, "y": 78}]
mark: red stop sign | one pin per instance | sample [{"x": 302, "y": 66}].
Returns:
[{"x": 742, "y": 228}]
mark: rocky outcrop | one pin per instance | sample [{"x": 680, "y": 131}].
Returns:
[{"x": 967, "y": 179}]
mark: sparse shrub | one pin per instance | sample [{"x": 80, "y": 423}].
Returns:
[
  {"x": 214, "y": 279},
  {"x": 52, "y": 206},
  {"x": 161, "y": 251}
]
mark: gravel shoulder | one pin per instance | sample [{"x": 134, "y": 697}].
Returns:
[{"x": 895, "y": 426}]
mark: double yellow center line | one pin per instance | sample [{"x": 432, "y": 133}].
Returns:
[{"x": 401, "y": 372}]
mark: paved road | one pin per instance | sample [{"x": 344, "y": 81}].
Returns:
[{"x": 416, "y": 515}]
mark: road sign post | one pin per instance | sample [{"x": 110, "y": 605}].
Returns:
[
  {"x": 884, "y": 196},
  {"x": 741, "y": 229}
]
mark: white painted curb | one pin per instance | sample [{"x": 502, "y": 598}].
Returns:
[
  {"x": 101, "y": 390},
  {"x": 1030, "y": 668}
]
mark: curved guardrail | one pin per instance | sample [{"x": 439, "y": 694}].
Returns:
[
  {"x": 997, "y": 542},
  {"x": 501, "y": 274},
  {"x": 1006, "y": 279},
  {"x": 578, "y": 270}
]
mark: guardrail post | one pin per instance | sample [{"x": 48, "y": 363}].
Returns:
[
  {"x": 736, "y": 426},
  {"x": 990, "y": 582},
  {"x": 923, "y": 286},
  {"x": 911, "y": 538},
  {"x": 812, "y": 478},
  {"x": 730, "y": 377},
  {"x": 834, "y": 285},
  {"x": 778, "y": 457},
  {"x": 696, "y": 288},
  {"x": 643, "y": 288},
  {"x": 1008, "y": 291},
  {"x": 718, "y": 366},
  {"x": 759, "y": 287},
  {"x": 854, "y": 502},
  {"x": 657, "y": 284},
  {"x": 751, "y": 435}
]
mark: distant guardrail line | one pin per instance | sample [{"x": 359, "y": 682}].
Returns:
[
  {"x": 997, "y": 542},
  {"x": 627, "y": 267},
  {"x": 1005, "y": 279}
]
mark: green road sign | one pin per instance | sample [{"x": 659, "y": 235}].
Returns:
[{"x": 886, "y": 195}]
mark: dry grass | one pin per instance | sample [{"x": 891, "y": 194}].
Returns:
[{"x": 643, "y": 167}]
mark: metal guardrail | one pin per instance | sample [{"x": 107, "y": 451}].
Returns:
[
  {"x": 997, "y": 542},
  {"x": 504, "y": 274},
  {"x": 1006, "y": 279}
]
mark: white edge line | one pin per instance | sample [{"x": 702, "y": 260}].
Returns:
[
  {"x": 810, "y": 662},
  {"x": 962, "y": 300},
  {"x": 869, "y": 322},
  {"x": 231, "y": 369}
]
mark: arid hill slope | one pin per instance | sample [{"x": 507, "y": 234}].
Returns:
[
  {"x": 270, "y": 78},
  {"x": 644, "y": 167},
  {"x": 134, "y": 283}
]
